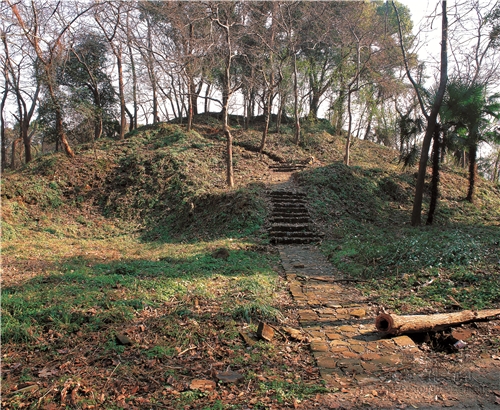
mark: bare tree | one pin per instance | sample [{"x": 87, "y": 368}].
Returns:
[
  {"x": 26, "y": 102},
  {"x": 44, "y": 26},
  {"x": 109, "y": 18},
  {"x": 5, "y": 94},
  {"x": 263, "y": 58},
  {"x": 227, "y": 16}
]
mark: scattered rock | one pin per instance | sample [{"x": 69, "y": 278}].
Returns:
[
  {"x": 249, "y": 338},
  {"x": 229, "y": 376},
  {"x": 123, "y": 339},
  {"x": 202, "y": 384},
  {"x": 221, "y": 253},
  {"x": 265, "y": 331},
  {"x": 294, "y": 333}
]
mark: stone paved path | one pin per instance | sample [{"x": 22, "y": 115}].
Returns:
[{"x": 340, "y": 322}]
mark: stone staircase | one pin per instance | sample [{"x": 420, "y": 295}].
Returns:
[
  {"x": 290, "y": 222},
  {"x": 287, "y": 167}
]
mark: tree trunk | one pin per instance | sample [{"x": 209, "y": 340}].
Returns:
[
  {"x": 296, "y": 99},
  {"x": 494, "y": 176},
  {"x": 190, "y": 105},
  {"x": 229, "y": 143},
  {"x": 3, "y": 158},
  {"x": 225, "y": 116},
  {"x": 369, "y": 126},
  {"x": 152, "y": 75},
  {"x": 472, "y": 172},
  {"x": 156, "y": 118},
  {"x": 348, "y": 139},
  {"x": 266, "y": 122},
  {"x": 121, "y": 92},
  {"x": 250, "y": 106},
  {"x": 133, "y": 118},
  {"x": 397, "y": 325},
  {"x": 98, "y": 116},
  {"x": 339, "y": 107},
  {"x": 13, "y": 153},
  {"x": 436, "y": 156},
  {"x": 281, "y": 108},
  {"x": 59, "y": 118},
  {"x": 314, "y": 105},
  {"x": 207, "y": 100},
  {"x": 26, "y": 139}
]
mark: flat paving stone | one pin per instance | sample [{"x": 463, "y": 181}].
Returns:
[
  {"x": 358, "y": 349},
  {"x": 327, "y": 362},
  {"x": 358, "y": 313},
  {"x": 403, "y": 341},
  {"x": 370, "y": 367},
  {"x": 370, "y": 356},
  {"x": 339, "y": 349},
  {"x": 388, "y": 360},
  {"x": 319, "y": 346},
  {"x": 334, "y": 336},
  {"x": 349, "y": 354}
]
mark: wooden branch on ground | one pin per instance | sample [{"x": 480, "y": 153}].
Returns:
[{"x": 395, "y": 325}]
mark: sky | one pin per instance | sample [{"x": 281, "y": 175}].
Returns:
[{"x": 420, "y": 9}]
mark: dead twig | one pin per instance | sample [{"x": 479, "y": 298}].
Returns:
[
  {"x": 109, "y": 378},
  {"x": 186, "y": 350},
  {"x": 47, "y": 392}
]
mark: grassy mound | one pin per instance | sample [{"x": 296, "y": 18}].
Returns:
[{"x": 165, "y": 182}]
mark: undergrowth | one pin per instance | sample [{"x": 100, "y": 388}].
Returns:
[{"x": 365, "y": 214}]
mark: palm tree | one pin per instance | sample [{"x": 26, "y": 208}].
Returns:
[{"x": 468, "y": 105}]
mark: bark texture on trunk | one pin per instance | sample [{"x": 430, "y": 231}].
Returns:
[
  {"x": 436, "y": 157},
  {"x": 397, "y": 325},
  {"x": 472, "y": 172}
]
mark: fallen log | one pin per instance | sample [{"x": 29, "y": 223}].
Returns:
[{"x": 391, "y": 324}]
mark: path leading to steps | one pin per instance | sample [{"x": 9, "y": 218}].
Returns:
[{"x": 366, "y": 369}]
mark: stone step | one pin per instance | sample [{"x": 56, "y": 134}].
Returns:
[
  {"x": 286, "y": 167},
  {"x": 286, "y": 194},
  {"x": 289, "y": 219},
  {"x": 292, "y": 240},
  {"x": 289, "y": 210},
  {"x": 293, "y": 234},
  {"x": 290, "y": 215},
  {"x": 289, "y": 226},
  {"x": 289, "y": 201}
]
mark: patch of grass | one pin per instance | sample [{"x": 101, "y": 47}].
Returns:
[
  {"x": 160, "y": 352},
  {"x": 77, "y": 296},
  {"x": 286, "y": 391}
]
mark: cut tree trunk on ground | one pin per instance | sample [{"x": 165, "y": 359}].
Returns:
[{"x": 397, "y": 325}]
